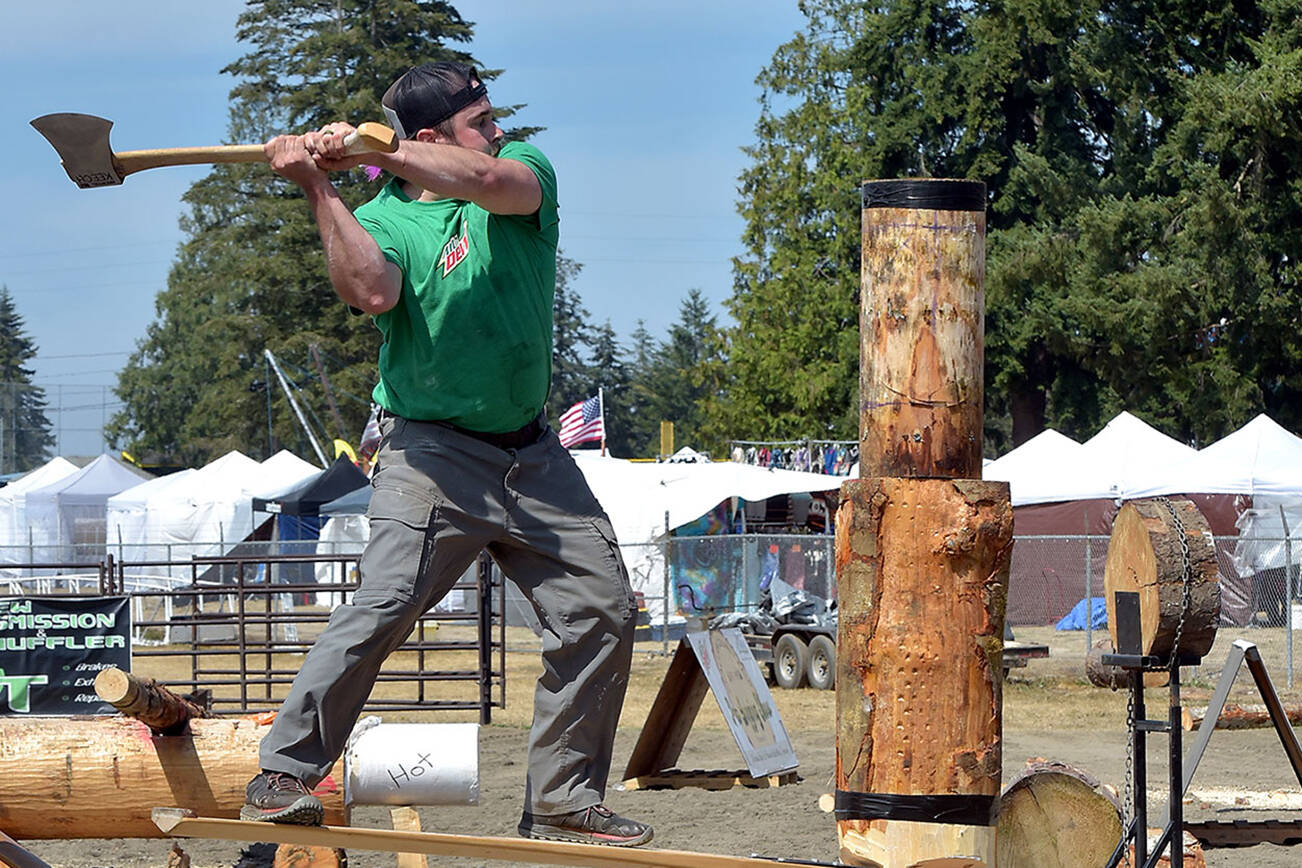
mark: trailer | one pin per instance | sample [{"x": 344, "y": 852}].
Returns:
[{"x": 799, "y": 655}]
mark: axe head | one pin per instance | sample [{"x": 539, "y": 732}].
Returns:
[{"x": 83, "y": 145}]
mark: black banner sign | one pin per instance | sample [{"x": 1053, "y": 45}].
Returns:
[{"x": 51, "y": 649}]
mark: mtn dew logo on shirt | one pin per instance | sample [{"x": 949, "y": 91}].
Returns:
[
  {"x": 51, "y": 649},
  {"x": 455, "y": 251}
]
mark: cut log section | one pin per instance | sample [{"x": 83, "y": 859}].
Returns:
[
  {"x": 1145, "y": 556},
  {"x": 147, "y": 701},
  {"x": 1056, "y": 816},
  {"x": 102, "y": 777},
  {"x": 1239, "y": 716},
  {"x": 922, "y": 328},
  {"x": 922, "y": 578}
]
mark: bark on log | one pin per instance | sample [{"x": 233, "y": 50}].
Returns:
[
  {"x": 101, "y": 777},
  {"x": 1239, "y": 716},
  {"x": 1115, "y": 677},
  {"x": 1145, "y": 556},
  {"x": 1056, "y": 816},
  {"x": 922, "y": 329},
  {"x": 922, "y": 579},
  {"x": 147, "y": 701},
  {"x": 307, "y": 856}
]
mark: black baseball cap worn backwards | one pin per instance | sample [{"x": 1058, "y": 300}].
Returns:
[{"x": 428, "y": 95}]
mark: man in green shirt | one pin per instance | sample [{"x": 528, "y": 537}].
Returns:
[{"x": 455, "y": 260}]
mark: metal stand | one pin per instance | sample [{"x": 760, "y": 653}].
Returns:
[{"x": 1138, "y": 727}]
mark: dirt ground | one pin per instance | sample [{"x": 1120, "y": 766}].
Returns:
[{"x": 1046, "y": 715}]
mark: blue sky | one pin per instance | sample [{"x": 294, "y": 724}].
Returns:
[{"x": 647, "y": 106}]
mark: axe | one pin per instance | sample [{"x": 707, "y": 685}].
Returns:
[{"x": 83, "y": 144}]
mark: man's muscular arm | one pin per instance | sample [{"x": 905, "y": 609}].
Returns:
[
  {"x": 361, "y": 275},
  {"x": 501, "y": 186}
]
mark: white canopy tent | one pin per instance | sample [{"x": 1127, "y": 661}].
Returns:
[
  {"x": 201, "y": 512},
  {"x": 1261, "y": 458},
  {"x": 1044, "y": 469},
  {"x": 15, "y": 540},
  {"x": 67, "y": 516},
  {"x": 1128, "y": 448}
]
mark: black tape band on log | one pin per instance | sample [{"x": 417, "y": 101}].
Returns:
[
  {"x": 959, "y": 810},
  {"x": 926, "y": 194}
]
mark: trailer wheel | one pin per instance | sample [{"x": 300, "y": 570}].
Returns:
[
  {"x": 822, "y": 663},
  {"x": 790, "y": 661}
]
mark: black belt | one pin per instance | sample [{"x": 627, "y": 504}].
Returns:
[{"x": 517, "y": 439}]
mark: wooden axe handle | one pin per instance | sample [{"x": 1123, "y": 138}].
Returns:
[{"x": 369, "y": 138}]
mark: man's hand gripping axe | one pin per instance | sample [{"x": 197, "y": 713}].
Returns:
[{"x": 83, "y": 144}]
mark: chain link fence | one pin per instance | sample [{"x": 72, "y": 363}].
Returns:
[{"x": 694, "y": 578}]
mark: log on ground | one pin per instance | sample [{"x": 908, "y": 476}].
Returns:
[
  {"x": 1057, "y": 816},
  {"x": 101, "y": 777},
  {"x": 1239, "y": 716}
]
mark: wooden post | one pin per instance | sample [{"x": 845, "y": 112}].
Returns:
[
  {"x": 102, "y": 777},
  {"x": 922, "y": 329},
  {"x": 922, "y": 546}
]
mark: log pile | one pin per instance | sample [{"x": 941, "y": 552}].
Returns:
[{"x": 1239, "y": 716}]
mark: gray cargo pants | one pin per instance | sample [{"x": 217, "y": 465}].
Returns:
[{"x": 439, "y": 497}]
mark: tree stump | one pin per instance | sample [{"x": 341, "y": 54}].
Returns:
[
  {"x": 1145, "y": 555},
  {"x": 922, "y": 580},
  {"x": 1056, "y": 816}
]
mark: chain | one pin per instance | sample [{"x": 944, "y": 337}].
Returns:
[
  {"x": 1186, "y": 582},
  {"x": 1128, "y": 797}
]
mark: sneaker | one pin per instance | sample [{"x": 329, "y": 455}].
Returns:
[
  {"x": 595, "y": 825},
  {"x": 276, "y": 797}
]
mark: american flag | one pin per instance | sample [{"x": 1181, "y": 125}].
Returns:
[
  {"x": 583, "y": 422},
  {"x": 371, "y": 433}
]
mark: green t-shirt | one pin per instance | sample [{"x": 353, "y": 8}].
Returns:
[{"x": 470, "y": 340}]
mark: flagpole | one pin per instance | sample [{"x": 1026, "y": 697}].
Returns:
[{"x": 601, "y": 405}]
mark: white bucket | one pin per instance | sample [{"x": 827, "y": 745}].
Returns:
[{"x": 412, "y": 764}]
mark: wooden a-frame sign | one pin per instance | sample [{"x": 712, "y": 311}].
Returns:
[{"x": 717, "y": 660}]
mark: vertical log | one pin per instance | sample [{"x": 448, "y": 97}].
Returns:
[
  {"x": 922, "y": 329},
  {"x": 923, "y": 546},
  {"x": 922, "y": 576}
]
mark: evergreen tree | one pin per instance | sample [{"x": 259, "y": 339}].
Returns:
[
  {"x": 681, "y": 377},
  {"x": 26, "y": 438},
  {"x": 1142, "y": 223},
  {"x": 250, "y": 274},
  {"x": 610, "y": 373},
  {"x": 571, "y": 334}
]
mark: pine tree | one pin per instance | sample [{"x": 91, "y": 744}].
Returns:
[
  {"x": 609, "y": 371},
  {"x": 571, "y": 335},
  {"x": 682, "y": 375},
  {"x": 26, "y": 438}
]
